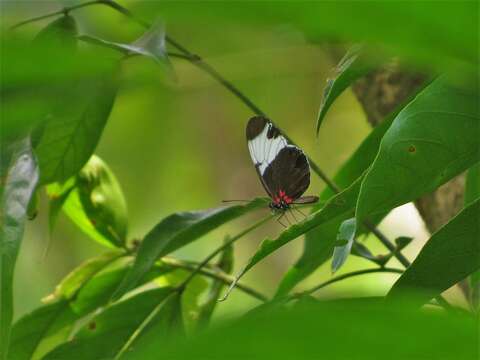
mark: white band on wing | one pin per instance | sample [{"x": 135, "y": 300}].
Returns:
[{"x": 264, "y": 150}]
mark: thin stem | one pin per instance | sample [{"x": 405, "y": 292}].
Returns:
[
  {"x": 346, "y": 276},
  {"x": 65, "y": 10},
  {"x": 388, "y": 244},
  {"x": 216, "y": 274},
  {"x": 223, "y": 247}
]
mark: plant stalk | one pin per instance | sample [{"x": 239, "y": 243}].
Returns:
[{"x": 223, "y": 247}]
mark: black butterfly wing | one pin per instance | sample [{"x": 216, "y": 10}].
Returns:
[
  {"x": 280, "y": 166},
  {"x": 288, "y": 173}
]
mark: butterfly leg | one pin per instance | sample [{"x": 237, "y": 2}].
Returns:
[
  {"x": 279, "y": 218},
  {"x": 294, "y": 217},
  {"x": 287, "y": 218},
  {"x": 301, "y": 212}
]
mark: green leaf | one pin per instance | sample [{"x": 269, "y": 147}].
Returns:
[
  {"x": 339, "y": 205},
  {"x": 18, "y": 185},
  {"x": 73, "y": 130},
  {"x": 37, "y": 333},
  {"x": 350, "y": 68},
  {"x": 98, "y": 290},
  {"x": 450, "y": 255},
  {"x": 190, "y": 295},
  {"x": 60, "y": 33},
  {"x": 225, "y": 264},
  {"x": 345, "y": 233},
  {"x": 432, "y": 139},
  {"x": 75, "y": 280},
  {"x": 347, "y": 329},
  {"x": 95, "y": 203},
  {"x": 103, "y": 201},
  {"x": 178, "y": 230},
  {"x": 24, "y": 106},
  {"x": 319, "y": 242},
  {"x": 472, "y": 192},
  {"x": 73, "y": 208},
  {"x": 58, "y": 197},
  {"x": 472, "y": 184},
  {"x": 107, "y": 333},
  {"x": 165, "y": 324},
  {"x": 442, "y": 36}
]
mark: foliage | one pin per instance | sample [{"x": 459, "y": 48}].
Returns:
[{"x": 136, "y": 301}]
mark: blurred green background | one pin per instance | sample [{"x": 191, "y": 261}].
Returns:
[{"x": 180, "y": 145}]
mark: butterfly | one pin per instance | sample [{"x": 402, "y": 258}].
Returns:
[{"x": 283, "y": 168}]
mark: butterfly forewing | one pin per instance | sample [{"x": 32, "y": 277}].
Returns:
[{"x": 283, "y": 169}]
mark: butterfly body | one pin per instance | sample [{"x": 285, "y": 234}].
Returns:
[{"x": 283, "y": 168}]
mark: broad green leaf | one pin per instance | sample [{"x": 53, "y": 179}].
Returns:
[
  {"x": 346, "y": 329},
  {"x": 190, "y": 295},
  {"x": 450, "y": 255},
  {"x": 37, "y": 333},
  {"x": 225, "y": 264},
  {"x": 165, "y": 324},
  {"x": 18, "y": 185},
  {"x": 443, "y": 36},
  {"x": 431, "y": 140},
  {"x": 24, "y": 107},
  {"x": 346, "y": 235},
  {"x": 107, "y": 333},
  {"x": 95, "y": 203},
  {"x": 73, "y": 130},
  {"x": 350, "y": 68},
  {"x": 341, "y": 204},
  {"x": 178, "y": 230},
  {"x": 319, "y": 242},
  {"x": 190, "y": 302},
  {"x": 60, "y": 33},
  {"x": 73, "y": 208},
  {"x": 98, "y": 290},
  {"x": 103, "y": 201},
  {"x": 75, "y": 280}
]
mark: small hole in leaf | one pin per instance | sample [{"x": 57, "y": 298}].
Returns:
[
  {"x": 412, "y": 149},
  {"x": 92, "y": 325}
]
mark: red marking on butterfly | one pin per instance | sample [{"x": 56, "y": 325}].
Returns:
[{"x": 282, "y": 196}]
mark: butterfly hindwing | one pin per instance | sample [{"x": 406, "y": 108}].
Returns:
[{"x": 289, "y": 172}]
